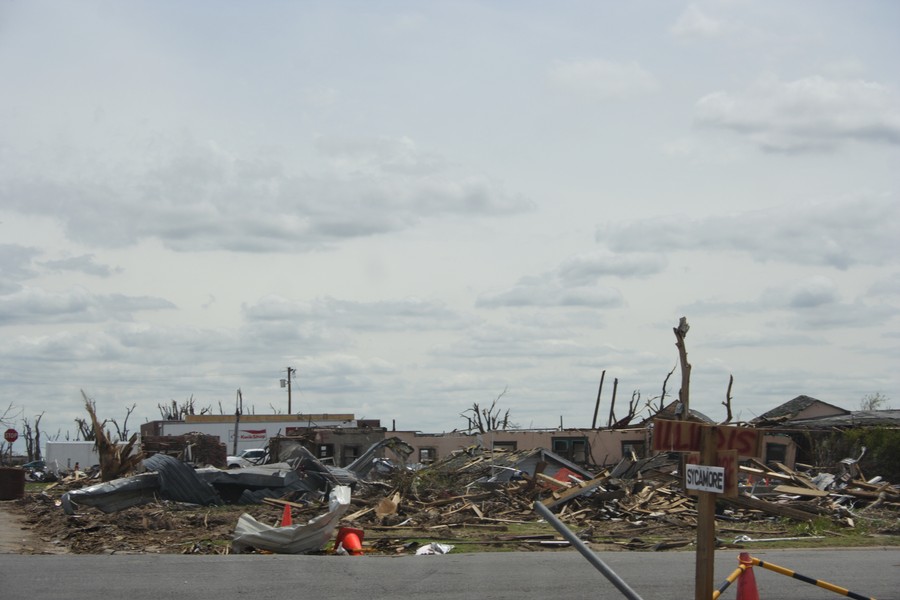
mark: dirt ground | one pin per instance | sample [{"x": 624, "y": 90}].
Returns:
[
  {"x": 16, "y": 536},
  {"x": 36, "y": 524}
]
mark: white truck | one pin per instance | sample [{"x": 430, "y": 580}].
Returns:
[{"x": 247, "y": 458}]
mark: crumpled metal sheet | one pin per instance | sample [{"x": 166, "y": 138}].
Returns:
[
  {"x": 169, "y": 479},
  {"x": 293, "y": 539},
  {"x": 178, "y": 482},
  {"x": 114, "y": 496}
]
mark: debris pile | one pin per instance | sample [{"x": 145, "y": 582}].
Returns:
[
  {"x": 472, "y": 498},
  {"x": 193, "y": 448}
]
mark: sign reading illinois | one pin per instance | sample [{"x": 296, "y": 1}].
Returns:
[{"x": 684, "y": 436}]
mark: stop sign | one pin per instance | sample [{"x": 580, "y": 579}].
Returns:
[{"x": 11, "y": 435}]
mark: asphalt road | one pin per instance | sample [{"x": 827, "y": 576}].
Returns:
[{"x": 486, "y": 576}]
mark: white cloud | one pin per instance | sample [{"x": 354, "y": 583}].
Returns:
[
  {"x": 812, "y": 114},
  {"x": 15, "y": 262},
  {"x": 541, "y": 291},
  {"x": 603, "y": 79},
  {"x": 761, "y": 338},
  {"x": 79, "y": 305},
  {"x": 84, "y": 264},
  {"x": 693, "y": 22},
  {"x": 836, "y": 234},
  {"x": 585, "y": 269},
  {"x": 204, "y": 199},
  {"x": 889, "y": 285},
  {"x": 808, "y": 304},
  {"x": 398, "y": 315}
]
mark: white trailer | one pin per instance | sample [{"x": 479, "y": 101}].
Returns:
[{"x": 62, "y": 456}]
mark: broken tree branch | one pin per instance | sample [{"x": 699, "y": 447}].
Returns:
[
  {"x": 727, "y": 402},
  {"x": 684, "y": 392}
]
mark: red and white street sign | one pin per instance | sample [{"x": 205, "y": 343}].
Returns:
[{"x": 11, "y": 435}]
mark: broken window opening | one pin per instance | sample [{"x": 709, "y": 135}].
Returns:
[
  {"x": 633, "y": 449},
  {"x": 349, "y": 454},
  {"x": 325, "y": 453},
  {"x": 775, "y": 452},
  {"x": 427, "y": 455},
  {"x": 574, "y": 449}
]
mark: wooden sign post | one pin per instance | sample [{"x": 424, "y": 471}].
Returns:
[
  {"x": 706, "y": 522},
  {"x": 714, "y": 468}
]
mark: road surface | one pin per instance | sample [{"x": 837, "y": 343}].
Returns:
[{"x": 486, "y": 576}]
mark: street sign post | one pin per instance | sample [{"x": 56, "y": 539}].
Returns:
[
  {"x": 711, "y": 470},
  {"x": 728, "y": 461},
  {"x": 704, "y": 479}
]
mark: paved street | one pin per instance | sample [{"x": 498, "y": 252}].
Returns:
[{"x": 655, "y": 576}]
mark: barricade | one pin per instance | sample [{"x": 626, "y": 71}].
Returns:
[{"x": 747, "y": 581}]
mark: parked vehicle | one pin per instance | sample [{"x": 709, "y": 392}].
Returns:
[
  {"x": 247, "y": 458},
  {"x": 36, "y": 470}
]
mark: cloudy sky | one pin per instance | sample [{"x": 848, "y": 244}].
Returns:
[{"x": 421, "y": 206}]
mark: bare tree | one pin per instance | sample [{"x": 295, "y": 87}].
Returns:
[
  {"x": 122, "y": 432},
  {"x": 32, "y": 437},
  {"x": 487, "y": 419},
  {"x": 115, "y": 460},
  {"x": 876, "y": 401},
  {"x": 727, "y": 402},
  {"x": 86, "y": 429},
  {"x": 632, "y": 411},
  {"x": 662, "y": 396},
  {"x": 10, "y": 415},
  {"x": 177, "y": 412},
  {"x": 684, "y": 392}
]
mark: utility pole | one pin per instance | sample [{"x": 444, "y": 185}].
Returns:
[
  {"x": 290, "y": 372},
  {"x": 238, "y": 409}
]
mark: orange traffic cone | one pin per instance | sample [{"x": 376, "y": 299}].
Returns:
[
  {"x": 286, "y": 520},
  {"x": 746, "y": 588},
  {"x": 350, "y": 539}
]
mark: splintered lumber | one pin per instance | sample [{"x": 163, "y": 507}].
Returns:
[
  {"x": 779, "y": 510},
  {"x": 481, "y": 496},
  {"x": 360, "y": 513},
  {"x": 800, "y": 491},
  {"x": 797, "y": 477},
  {"x": 884, "y": 493},
  {"x": 575, "y": 491},
  {"x": 763, "y": 473},
  {"x": 282, "y": 503},
  {"x": 553, "y": 481}
]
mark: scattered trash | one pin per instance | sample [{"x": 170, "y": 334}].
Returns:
[
  {"x": 746, "y": 539},
  {"x": 434, "y": 548}
]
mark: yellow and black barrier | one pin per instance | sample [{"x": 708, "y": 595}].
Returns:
[
  {"x": 818, "y": 582},
  {"x": 729, "y": 580},
  {"x": 746, "y": 562}
]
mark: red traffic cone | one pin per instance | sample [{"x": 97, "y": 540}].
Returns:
[
  {"x": 286, "y": 520},
  {"x": 350, "y": 539},
  {"x": 746, "y": 585}
]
